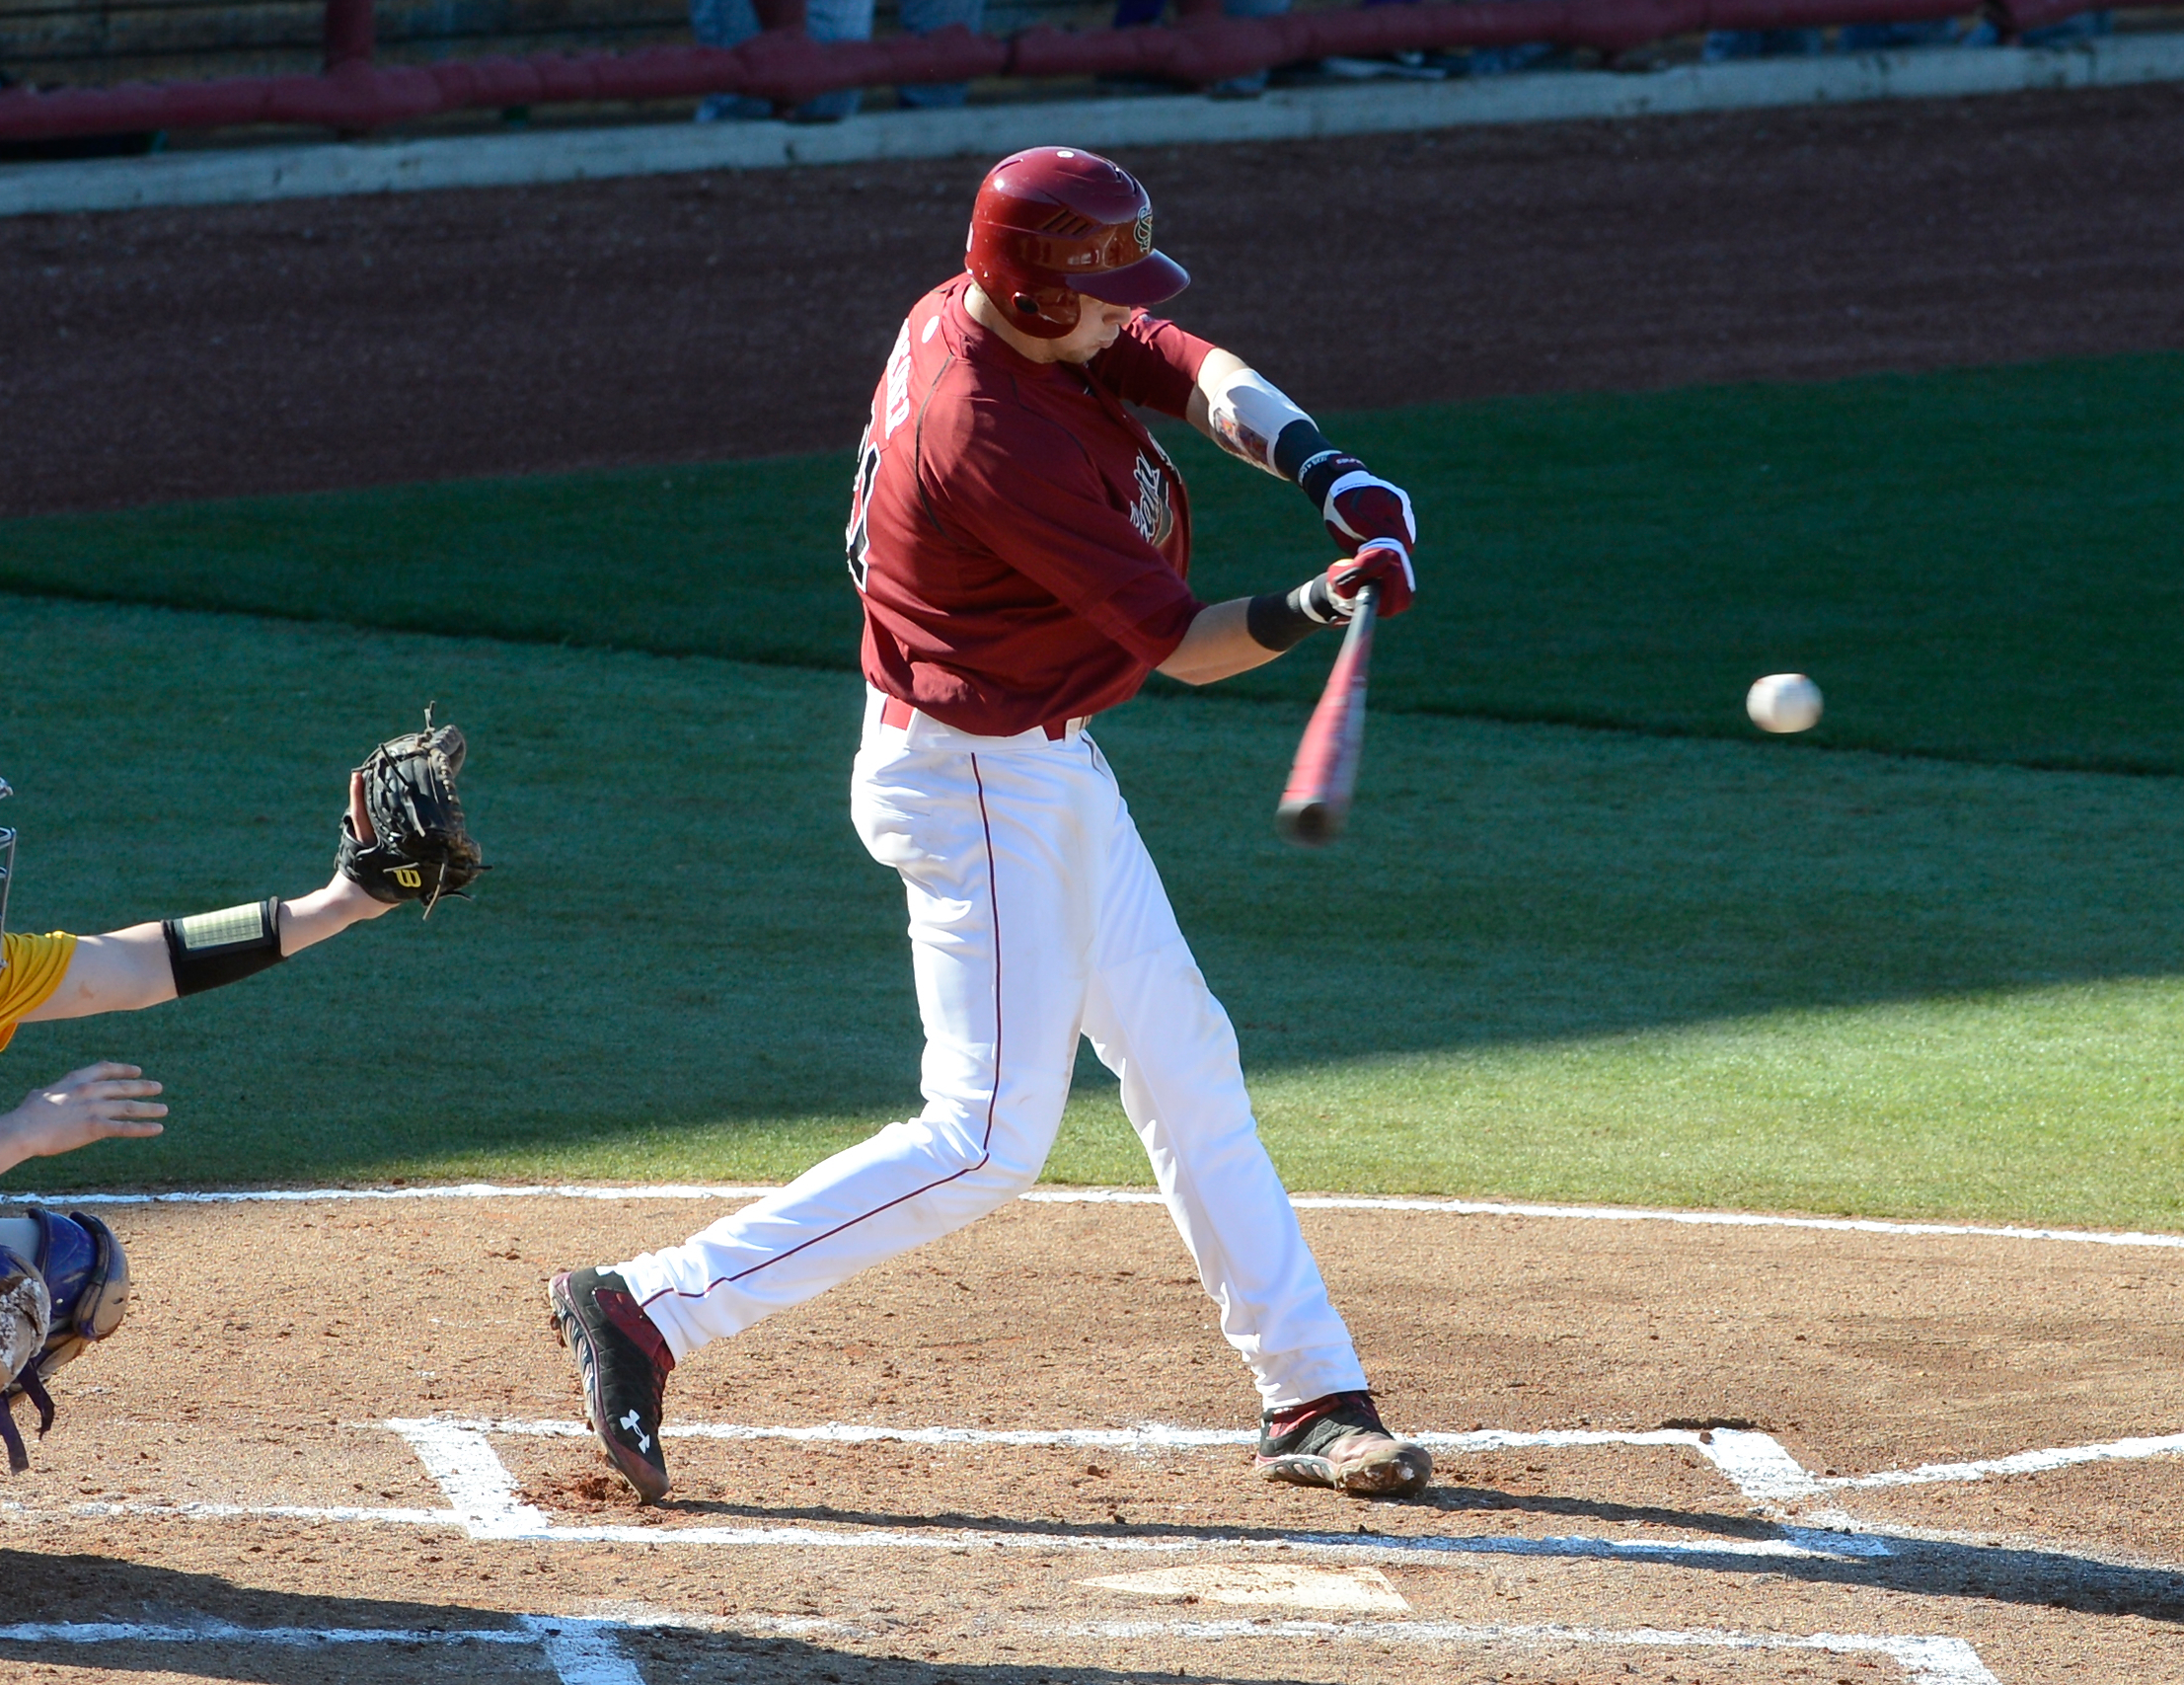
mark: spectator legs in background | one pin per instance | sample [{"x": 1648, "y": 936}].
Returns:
[
  {"x": 1503, "y": 60},
  {"x": 1724, "y": 44},
  {"x": 922, "y": 18},
  {"x": 1943, "y": 31},
  {"x": 730, "y": 22},
  {"x": 835, "y": 20},
  {"x": 725, "y": 23},
  {"x": 1251, "y": 86},
  {"x": 2083, "y": 27},
  {"x": 1883, "y": 37}
]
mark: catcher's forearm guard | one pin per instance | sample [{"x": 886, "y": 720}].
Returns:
[
  {"x": 7, "y": 875},
  {"x": 420, "y": 847},
  {"x": 207, "y": 950},
  {"x": 71, "y": 1291}
]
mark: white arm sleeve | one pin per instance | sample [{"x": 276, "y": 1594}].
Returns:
[{"x": 1248, "y": 412}]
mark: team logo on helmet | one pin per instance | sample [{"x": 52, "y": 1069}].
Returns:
[{"x": 1144, "y": 232}]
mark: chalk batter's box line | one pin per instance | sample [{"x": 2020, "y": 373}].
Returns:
[
  {"x": 483, "y": 1498},
  {"x": 1140, "y": 1197},
  {"x": 485, "y": 1501},
  {"x": 580, "y": 1651},
  {"x": 1925, "y": 1659},
  {"x": 1752, "y": 1460},
  {"x": 586, "y": 1653},
  {"x": 485, "y": 1505}
]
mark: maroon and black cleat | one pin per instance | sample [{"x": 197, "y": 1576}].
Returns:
[
  {"x": 622, "y": 1361},
  {"x": 1339, "y": 1441}
]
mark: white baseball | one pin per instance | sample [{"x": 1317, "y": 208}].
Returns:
[{"x": 1783, "y": 702}]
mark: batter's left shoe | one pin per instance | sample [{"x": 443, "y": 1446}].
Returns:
[
  {"x": 622, "y": 1361},
  {"x": 1339, "y": 1441}
]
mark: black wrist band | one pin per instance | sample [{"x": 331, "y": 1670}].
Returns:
[
  {"x": 1299, "y": 442},
  {"x": 207, "y": 950},
  {"x": 1321, "y": 472},
  {"x": 1277, "y": 622}
]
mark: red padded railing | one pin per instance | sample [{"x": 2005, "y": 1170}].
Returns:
[{"x": 784, "y": 65}]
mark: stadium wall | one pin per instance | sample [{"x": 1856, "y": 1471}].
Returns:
[{"x": 357, "y": 93}]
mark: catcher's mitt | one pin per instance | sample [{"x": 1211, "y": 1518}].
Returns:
[{"x": 419, "y": 849}]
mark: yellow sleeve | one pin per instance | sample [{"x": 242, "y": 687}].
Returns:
[{"x": 36, "y": 966}]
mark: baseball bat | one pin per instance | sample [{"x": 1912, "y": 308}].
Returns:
[{"x": 1324, "y": 772}]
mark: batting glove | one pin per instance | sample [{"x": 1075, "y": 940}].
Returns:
[
  {"x": 1360, "y": 506},
  {"x": 1330, "y": 598},
  {"x": 1382, "y": 563}
]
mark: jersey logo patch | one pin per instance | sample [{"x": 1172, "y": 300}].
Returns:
[
  {"x": 898, "y": 383},
  {"x": 1151, "y": 514},
  {"x": 857, "y": 535}
]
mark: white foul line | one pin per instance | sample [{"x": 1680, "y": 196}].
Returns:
[
  {"x": 1630, "y": 1214},
  {"x": 1925, "y": 1661},
  {"x": 226, "y": 1632},
  {"x": 1138, "y": 1197},
  {"x": 580, "y": 1652},
  {"x": 2022, "y": 1463},
  {"x": 590, "y": 1652},
  {"x": 451, "y": 1190}
]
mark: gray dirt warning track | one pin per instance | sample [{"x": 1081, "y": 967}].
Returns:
[
  {"x": 1664, "y": 1451},
  {"x": 315, "y": 343}
]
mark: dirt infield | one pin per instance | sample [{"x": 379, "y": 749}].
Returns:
[
  {"x": 193, "y": 353},
  {"x": 1671, "y": 1452}
]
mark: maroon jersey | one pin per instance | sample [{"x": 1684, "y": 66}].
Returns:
[{"x": 1019, "y": 539}]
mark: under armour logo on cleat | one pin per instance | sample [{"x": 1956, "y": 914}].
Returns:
[{"x": 629, "y": 1425}]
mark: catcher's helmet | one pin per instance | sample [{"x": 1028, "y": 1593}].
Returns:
[{"x": 1058, "y": 221}]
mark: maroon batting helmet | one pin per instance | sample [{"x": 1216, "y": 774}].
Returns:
[{"x": 1058, "y": 221}]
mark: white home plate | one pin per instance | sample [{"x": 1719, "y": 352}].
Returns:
[{"x": 1263, "y": 1583}]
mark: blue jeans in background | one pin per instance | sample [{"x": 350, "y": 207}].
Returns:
[
  {"x": 1135, "y": 14},
  {"x": 922, "y": 18},
  {"x": 1882, "y": 37},
  {"x": 1724, "y": 44},
  {"x": 731, "y": 22}
]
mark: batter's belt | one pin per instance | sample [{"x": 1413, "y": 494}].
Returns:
[{"x": 895, "y": 712}]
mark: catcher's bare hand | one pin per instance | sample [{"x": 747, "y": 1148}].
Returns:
[
  {"x": 91, "y": 1105},
  {"x": 359, "y": 810}
]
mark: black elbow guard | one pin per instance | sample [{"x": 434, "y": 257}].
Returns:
[{"x": 207, "y": 950}]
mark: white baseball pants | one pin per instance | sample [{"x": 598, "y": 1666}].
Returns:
[{"x": 1036, "y": 915}]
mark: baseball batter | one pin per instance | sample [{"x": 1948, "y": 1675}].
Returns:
[
  {"x": 1021, "y": 544},
  {"x": 65, "y": 1279}
]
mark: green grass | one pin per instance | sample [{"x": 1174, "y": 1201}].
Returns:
[
  {"x": 1976, "y": 564},
  {"x": 1549, "y": 963}
]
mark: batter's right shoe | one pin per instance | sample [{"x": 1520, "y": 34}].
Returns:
[
  {"x": 622, "y": 1361},
  {"x": 1339, "y": 1441}
]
